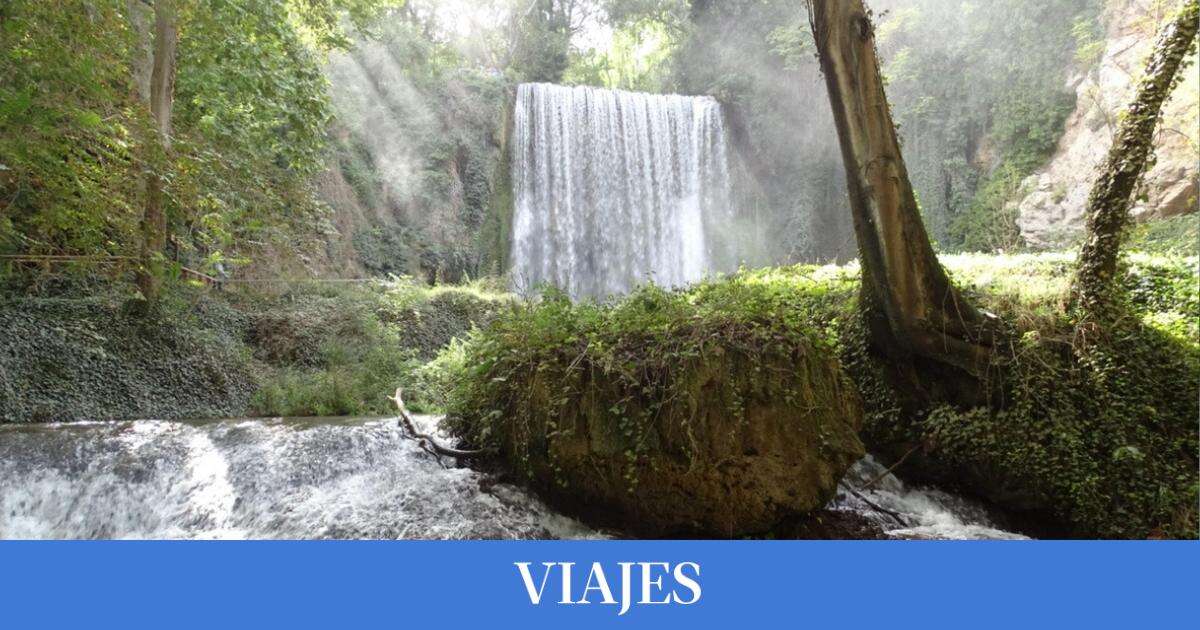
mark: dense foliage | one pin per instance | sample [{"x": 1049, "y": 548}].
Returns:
[
  {"x": 420, "y": 146},
  {"x": 251, "y": 107},
  {"x": 400, "y": 169},
  {"x": 68, "y": 120},
  {"x": 371, "y": 137},
  {"x": 299, "y": 350},
  {"x": 333, "y": 352},
  {"x": 980, "y": 91},
  {"x": 1096, "y": 434}
]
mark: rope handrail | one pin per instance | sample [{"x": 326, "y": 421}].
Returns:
[
  {"x": 64, "y": 258},
  {"x": 67, "y": 258}
]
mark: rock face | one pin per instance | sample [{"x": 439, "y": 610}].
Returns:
[
  {"x": 732, "y": 456},
  {"x": 1052, "y": 212}
]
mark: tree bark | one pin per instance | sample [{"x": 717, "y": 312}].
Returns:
[
  {"x": 1108, "y": 205},
  {"x": 141, "y": 21},
  {"x": 162, "y": 100},
  {"x": 911, "y": 305}
]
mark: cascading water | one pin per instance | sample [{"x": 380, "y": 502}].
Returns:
[
  {"x": 252, "y": 479},
  {"x": 327, "y": 478},
  {"x": 613, "y": 189},
  {"x": 918, "y": 513}
]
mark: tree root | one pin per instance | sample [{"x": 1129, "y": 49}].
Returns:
[{"x": 428, "y": 442}]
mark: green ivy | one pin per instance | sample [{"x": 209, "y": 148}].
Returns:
[{"x": 1095, "y": 430}]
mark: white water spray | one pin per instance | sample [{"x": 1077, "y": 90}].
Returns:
[
  {"x": 252, "y": 479},
  {"x": 613, "y": 189},
  {"x": 332, "y": 478}
]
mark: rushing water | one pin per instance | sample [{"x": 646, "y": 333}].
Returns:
[
  {"x": 613, "y": 188},
  {"x": 923, "y": 513},
  {"x": 320, "y": 479},
  {"x": 251, "y": 479}
]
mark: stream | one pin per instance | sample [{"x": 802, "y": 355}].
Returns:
[{"x": 326, "y": 478}]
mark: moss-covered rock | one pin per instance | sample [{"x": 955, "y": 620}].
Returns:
[
  {"x": 727, "y": 458},
  {"x": 667, "y": 414}
]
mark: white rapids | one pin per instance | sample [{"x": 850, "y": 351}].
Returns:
[
  {"x": 291, "y": 479},
  {"x": 924, "y": 513},
  {"x": 323, "y": 478}
]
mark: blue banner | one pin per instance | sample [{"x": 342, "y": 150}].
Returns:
[{"x": 638, "y": 584}]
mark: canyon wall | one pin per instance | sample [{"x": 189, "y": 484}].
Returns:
[{"x": 1052, "y": 210}]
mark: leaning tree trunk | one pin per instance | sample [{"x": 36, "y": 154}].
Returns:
[
  {"x": 162, "y": 99},
  {"x": 1108, "y": 206},
  {"x": 912, "y": 307}
]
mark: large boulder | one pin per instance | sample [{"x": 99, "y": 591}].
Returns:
[
  {"x": 678, "y": 425},
  {"x": 733, "y": 455}
]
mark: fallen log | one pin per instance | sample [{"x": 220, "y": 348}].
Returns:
[{"x": 428, "y": 442}]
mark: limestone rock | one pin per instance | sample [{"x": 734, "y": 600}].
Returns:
[{"x": 1052, "y": 211}]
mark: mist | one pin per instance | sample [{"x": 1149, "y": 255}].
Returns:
[{"x": 981, "y": 92}]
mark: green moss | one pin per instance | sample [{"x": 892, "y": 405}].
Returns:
[
  {"x": 642, "y": 353},
  {"x": 495, "y": 233},
  {"x": 1095, "y": 430},
  {"x": 717, "y": 409}
]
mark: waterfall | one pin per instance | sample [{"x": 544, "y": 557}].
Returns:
[{"x": 612, "y": 189}]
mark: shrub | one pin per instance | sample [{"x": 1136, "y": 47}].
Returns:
[{"x": 343, "y": 351}]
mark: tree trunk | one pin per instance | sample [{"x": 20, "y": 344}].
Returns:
[
  {"x": 141, "y": 21},
  {"x": 1108, "y": 206},
  {"x": 162, "y": 100},
  {"x": 912, "y": 308}
]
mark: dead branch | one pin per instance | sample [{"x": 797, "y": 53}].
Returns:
[
  {"x": 870, "y": 484},
  {"x": 427, "y": 441},
  {"x": 882, "y": 510}
]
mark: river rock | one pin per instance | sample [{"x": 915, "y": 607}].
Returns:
[
  {"x": 1052, "y": 210},
  {"x": 734, "y": 455}
]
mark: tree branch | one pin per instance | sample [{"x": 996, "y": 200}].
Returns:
[
  {"x": 882, "y": 510},
  {"x": 427, "y": 441}
]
